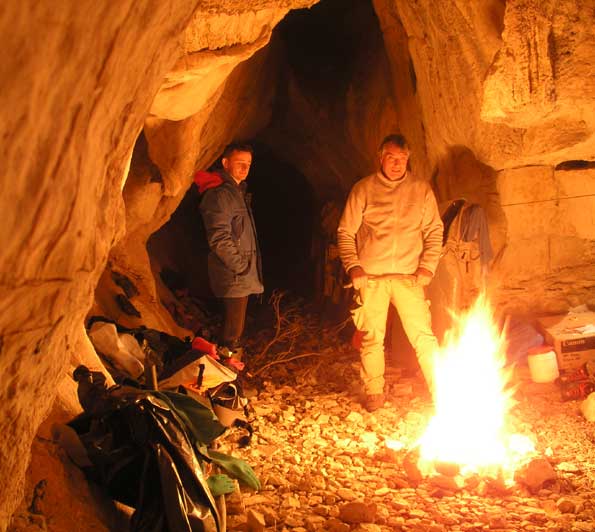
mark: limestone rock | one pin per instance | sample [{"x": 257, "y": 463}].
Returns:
[
  {"x": 58, "y": 495},
  {"x": 588, "y": 407},
  {"x": 367, "y": 527},
  {"x": 255, "y": 521},
  {"x": 357, "y": 512},
  {"x": 213, "y": 45},
  {"x": 521, "y": 87},
  {"x": 99, "y": 81},
  {"x": 334, "y": 525},
  {"x": 410, "y": 466},
  {"x": 537, "y": 473}
]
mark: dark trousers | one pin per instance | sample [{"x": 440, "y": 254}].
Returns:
[{"x": 234, "y": 310}]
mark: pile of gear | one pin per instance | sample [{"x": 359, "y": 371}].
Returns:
[{"x": 150, "y": 439}]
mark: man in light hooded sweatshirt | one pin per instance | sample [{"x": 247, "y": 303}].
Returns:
[{"x": 390, "y": 240}]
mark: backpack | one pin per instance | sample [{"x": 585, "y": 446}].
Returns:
[{"x": 466, "y": 251}]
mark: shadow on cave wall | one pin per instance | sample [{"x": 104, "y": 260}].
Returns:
[{"x": 285, "y": 214}]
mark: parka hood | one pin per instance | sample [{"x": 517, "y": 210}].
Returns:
[{"x": 205, "y": 180}]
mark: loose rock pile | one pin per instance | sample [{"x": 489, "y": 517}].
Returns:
[{"x": 324, "y": 465}]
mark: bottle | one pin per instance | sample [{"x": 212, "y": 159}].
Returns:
[{"x": 543, "y": 365}]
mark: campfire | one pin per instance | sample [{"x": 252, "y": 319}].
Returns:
[{"x": 469, "y": 435}]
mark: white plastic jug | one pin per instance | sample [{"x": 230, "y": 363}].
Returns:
[{"x": 543, "y": 365}]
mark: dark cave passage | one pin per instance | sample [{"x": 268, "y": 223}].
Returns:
[
  {"x": 323, "y": 44},
  {"x": 285, "y": 213},
  {"x": 302, "y": 162}
]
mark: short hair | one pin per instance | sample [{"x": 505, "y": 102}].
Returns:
[
  {"x": 396, "y": 139},
  {"x": 236, "y": 146}
]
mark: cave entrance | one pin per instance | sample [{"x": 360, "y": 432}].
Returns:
[
  {"x": 306, "y": 156},
  {"x": 285, "y": 213}
]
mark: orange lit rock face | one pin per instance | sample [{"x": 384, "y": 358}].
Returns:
[
  {"x": 550, "y": 237},
  {"x": 212, "y": 47},
  {"x": 540, "y": 79},
  {"x": 504, "y": 92},
  {"x": 69, "y": 119},
  {"x": 511, "y": 81},
  {"x": 520, "y": 88}
]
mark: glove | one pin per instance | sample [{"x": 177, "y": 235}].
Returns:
[
  {"x": 359, "y": 278},
  {"x": 423, "y": 276},
  {"x": 220, "y": 485},
  {"x": 235, "y": 467}
]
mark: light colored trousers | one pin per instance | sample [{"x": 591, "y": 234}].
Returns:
[{"x": 408, "y": 297}]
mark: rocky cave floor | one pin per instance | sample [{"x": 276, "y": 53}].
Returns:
[
  {"x": 323, "y": 460},
  {"x": 324, "y": 464}
]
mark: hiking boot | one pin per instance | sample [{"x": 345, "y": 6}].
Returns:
[
  {"x": 374, "y": 401},
  {"x": 577, "y": 390}
]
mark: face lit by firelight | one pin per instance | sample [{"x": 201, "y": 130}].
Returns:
[
  {"x": 237, "y": 165},
  {"x": 393, "y": 161}
]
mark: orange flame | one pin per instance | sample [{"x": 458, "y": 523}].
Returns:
[{"x": 471, "y": 400}]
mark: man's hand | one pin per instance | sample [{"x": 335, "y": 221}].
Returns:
[
  {"x": 359, "y": 277},
  {"x": 423, "y": 276}
]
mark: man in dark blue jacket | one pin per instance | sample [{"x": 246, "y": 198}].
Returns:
[{"x": 234, "y": 261}]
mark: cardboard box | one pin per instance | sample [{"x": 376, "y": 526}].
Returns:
[{"x": 572, "y": 336}]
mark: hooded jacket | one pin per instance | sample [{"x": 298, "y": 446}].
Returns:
[
  {"x": 390, "y": 226},
  {"x": 234, "y": 260}
]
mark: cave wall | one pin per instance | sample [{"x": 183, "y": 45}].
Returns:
[
  {"x": 334, "y": 101},
  {"x": 494, "y": 96},
  {"x": 509, "y": 80},
  {"x": 219, "y": 89},
  {"x": 547, "y": 262},
  {"x": 76, "y": 88},
  {"x": 485, "y": 94},
  {"x": 78, "y": 85},
  {"x": 503, "y": 94}
]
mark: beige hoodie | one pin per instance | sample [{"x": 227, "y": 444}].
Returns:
[{"x": 390, "y": 226}]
